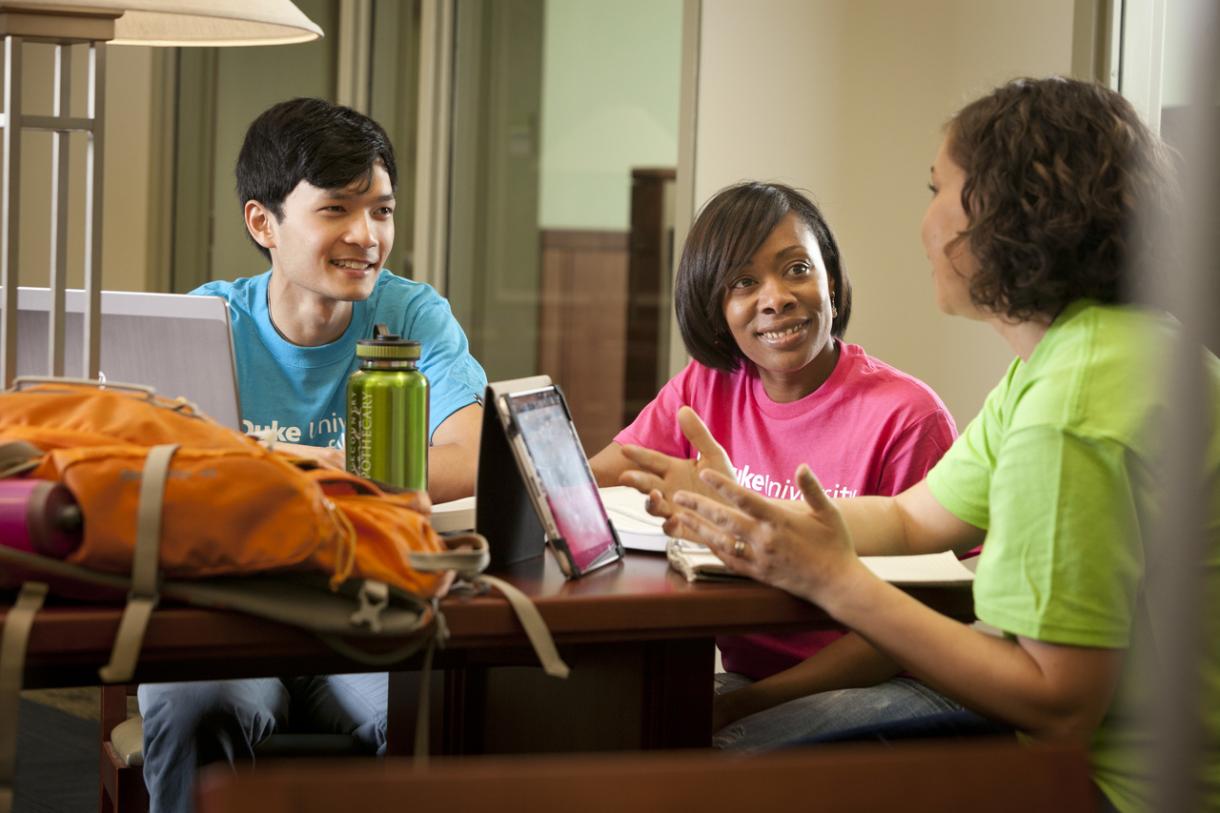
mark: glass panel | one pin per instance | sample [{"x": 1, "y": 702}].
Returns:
[
  {"x": 393, "y": 103},
  {"x": 1178, "y": 50},
  {"x": 565, "y": 114},
  {"x": 221, "y": 90}
]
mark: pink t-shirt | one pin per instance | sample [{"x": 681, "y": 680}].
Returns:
[{"x": 869, "y": 429}]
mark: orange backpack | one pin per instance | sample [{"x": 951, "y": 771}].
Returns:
[
  {"x": 229, "y": 506},
  {"x": 176, "y": 506}
]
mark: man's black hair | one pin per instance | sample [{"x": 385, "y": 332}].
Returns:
[{"x": 313, "y": 140}]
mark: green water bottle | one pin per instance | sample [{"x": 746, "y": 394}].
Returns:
[{"x": 387, "y": 412}]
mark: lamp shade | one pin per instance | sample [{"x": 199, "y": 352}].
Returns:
[{"x": 185, "y": 22}]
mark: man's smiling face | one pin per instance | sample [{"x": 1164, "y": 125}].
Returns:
[{"x": 333, "y": 242}]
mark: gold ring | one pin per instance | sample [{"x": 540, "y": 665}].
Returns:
[{"x": 739, "y": 548}]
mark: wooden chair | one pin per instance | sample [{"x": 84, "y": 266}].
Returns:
[
  {"x": 915, "y": 777},
  {"x": 121, "y": 789}
]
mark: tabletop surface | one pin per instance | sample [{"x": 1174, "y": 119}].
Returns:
[{"x": 639, "y": 598}]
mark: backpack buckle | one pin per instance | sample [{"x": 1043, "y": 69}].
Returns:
[{"x": 374, "y": 597}]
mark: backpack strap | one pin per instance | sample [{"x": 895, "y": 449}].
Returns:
[
  {"x": 18, "y": 457},
  {"x": 535, "y": 628},
  {"x": 468, "y": 555},
  {"x": 143, "y": 596},
  {"x": 13, "y": 640}
]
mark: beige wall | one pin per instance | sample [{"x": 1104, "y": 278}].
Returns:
[
  {"x": 845, "y": 98},
  {"x": 129, "y": 121}
]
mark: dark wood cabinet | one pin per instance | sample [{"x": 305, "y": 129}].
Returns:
[
  {"x": 604, "y": 304},
  {"x": 649, "y": 281}
]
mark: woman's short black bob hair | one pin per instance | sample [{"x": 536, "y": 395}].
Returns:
[
  {"x": 1058, "y": 175},
  {"x": 729, "y": 229}
]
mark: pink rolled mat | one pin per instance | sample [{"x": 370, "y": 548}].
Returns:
[{"x": 39, "y": 516}]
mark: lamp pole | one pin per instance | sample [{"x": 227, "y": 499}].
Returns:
[{"x": 63, "y": 31}]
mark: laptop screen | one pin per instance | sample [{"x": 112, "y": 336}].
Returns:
[{"x": 177, "y": 344}]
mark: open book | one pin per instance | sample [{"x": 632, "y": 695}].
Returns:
[
  {"x": 697, "y": 563},
  {"x": 637, "y": 529},
  {"x": 625, "y": 507},
  {"x": 456, "y": 516}
]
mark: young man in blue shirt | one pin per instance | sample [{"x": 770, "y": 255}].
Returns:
[{"x": 316, "y": 183}]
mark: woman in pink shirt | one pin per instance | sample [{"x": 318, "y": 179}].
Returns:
[{"x": 763, "y": 302}]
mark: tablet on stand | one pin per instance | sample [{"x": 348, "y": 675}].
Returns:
[{"x": 534, "y": 486}]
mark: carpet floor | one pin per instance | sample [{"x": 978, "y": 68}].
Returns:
[{"x": 56, "y": 761}]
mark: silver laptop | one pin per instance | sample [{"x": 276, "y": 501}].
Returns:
[{"x": 177, "y": 344}]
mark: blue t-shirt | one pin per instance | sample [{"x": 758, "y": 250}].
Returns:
[{"x": 301, "y": 392}]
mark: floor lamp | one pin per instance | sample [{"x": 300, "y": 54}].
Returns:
[{"x": 64, "y": 23}]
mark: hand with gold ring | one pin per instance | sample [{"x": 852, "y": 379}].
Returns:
[{"x": 805, "y": 549}]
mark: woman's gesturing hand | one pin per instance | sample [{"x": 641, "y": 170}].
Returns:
[
  {"x": 804, "y": 548},
  {"x": 661, "y": 476}
]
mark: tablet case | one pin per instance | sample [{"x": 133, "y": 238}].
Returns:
[{"x": 503, "y": 510}]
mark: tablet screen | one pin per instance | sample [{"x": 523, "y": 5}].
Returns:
[{"x": 559, "y": 462}]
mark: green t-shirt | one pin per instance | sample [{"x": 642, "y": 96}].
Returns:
[{"x": 1059, "y": 469}]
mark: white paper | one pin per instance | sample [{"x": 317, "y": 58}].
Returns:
[
  {"x": 697, "y": 562},
  {"x": 931, "y": 569},
  {"x": 637, "y": 529},
  {"x": 456, "y": 515}
]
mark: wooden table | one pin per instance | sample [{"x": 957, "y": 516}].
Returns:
[
  {"x": 996, "y": 775},
  {"x": 640, "y": 640}
]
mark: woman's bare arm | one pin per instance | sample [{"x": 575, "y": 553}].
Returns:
[{"x": 1048, "y": 690}]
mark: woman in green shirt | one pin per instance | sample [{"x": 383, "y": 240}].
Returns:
[{"x": 1031, "y": 228}]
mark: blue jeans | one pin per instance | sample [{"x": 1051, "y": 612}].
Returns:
[
  {"x": 191, "y": 724},
  {"x": 826, "y": 714},
  {"x": 945, "y": 725}
]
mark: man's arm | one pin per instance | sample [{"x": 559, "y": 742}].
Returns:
[
  {"x": 326, "y": 456},
  {"x": 453, "y": 458}
]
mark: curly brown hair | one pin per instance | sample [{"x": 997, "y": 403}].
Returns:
[{"x": 1057, "y": 173}]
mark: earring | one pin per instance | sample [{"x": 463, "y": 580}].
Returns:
[{"x": 834, "y": 312}]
